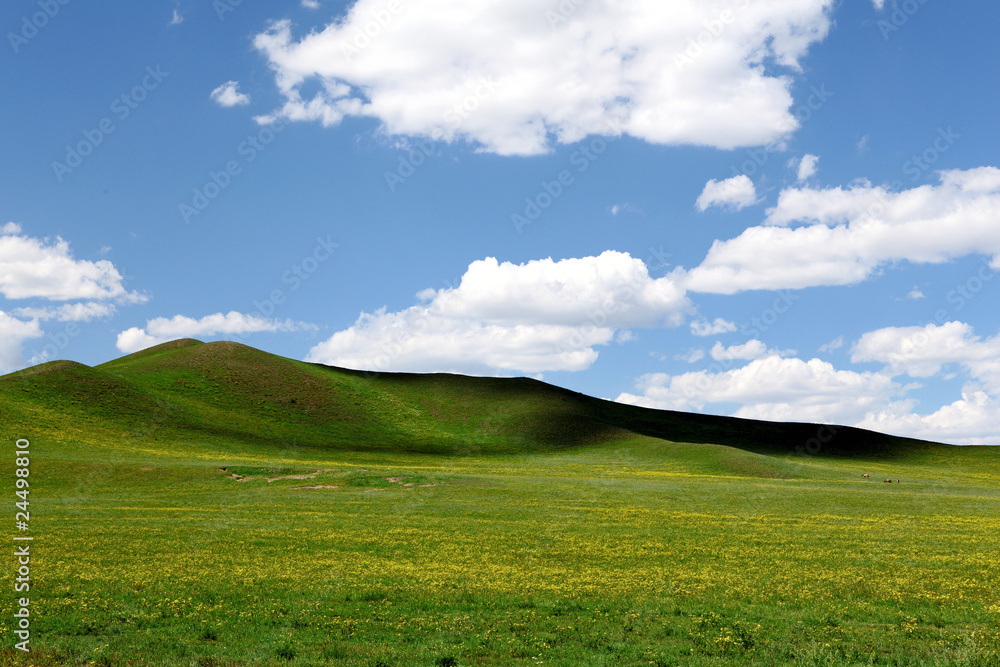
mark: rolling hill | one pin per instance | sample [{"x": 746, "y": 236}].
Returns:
[{"x": 192, "y": 391}]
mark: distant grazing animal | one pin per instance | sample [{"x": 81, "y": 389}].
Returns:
[
  {"x": 866, "y": 475},
  {"x": 887, "y": 481}
]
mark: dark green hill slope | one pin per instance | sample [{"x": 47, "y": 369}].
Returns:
[
  {"x": 227, "y": 391},
  {"x": 191, "y": 391}
]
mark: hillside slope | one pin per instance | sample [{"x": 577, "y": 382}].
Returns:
[{"x": 192, "y": 391}]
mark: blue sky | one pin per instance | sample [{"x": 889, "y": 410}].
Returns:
[{"x": 783, "y": 210}]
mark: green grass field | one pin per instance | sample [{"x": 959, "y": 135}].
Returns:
[{"x": 214, "y": 505}]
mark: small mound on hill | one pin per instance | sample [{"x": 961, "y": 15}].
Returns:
[
  {"x": 69, "y": 396},
  {"x": 44, "y": 369}
]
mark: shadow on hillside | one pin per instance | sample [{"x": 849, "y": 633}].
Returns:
[{"x": 574, "y": 419}]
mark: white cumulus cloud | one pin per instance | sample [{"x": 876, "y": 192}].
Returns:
[
  {"x": 834, "y": 344},
  {"x": 752, "y": 349},
  {"x": 419, "y": 340},
  {"x": 693, "y": 355},
  {"x": 775, "y": 387},
  {"x": 733, "y": 193},
  {"x": 453, "y": 69},
  {"x": 162, "y": 329},
  {"x": 807, "y": 167},
  {"x": 228, "y": 95},
  {"x": 532, "y": 317},
  {"x": 13, "y": 332},
  {"x": 922, "y": 351},
  {"x": 69, "y": 312},
  {"x": 841, "y": 236},
  {"x": 772, "y": 388},
  {"x": 40, "y": 268},
  {"x": 971, "y": 420},
  {"x": 703, "y": 327}
]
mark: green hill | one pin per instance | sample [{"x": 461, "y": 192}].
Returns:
[{"x": 227, "y": 392}]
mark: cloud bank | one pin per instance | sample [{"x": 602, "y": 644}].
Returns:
[
  {"x": 538, "y": 316},
  {"x": 40, "y": 268},
  {"x": 162, "y": 329},
  {"x": 41, "y": 271},
  {"x": 684, "y": 72},
  {"x": 779, "y": 387},
  {"x": 842, "y": 236}
]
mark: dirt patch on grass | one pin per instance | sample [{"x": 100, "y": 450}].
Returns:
[
  {"x": 361, "y": 481},
  {"x": 310, "y": 475},
  {"x": 272, "y": 474}
]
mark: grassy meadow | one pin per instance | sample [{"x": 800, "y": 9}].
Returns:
[{"x": 213, "y": 505}]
